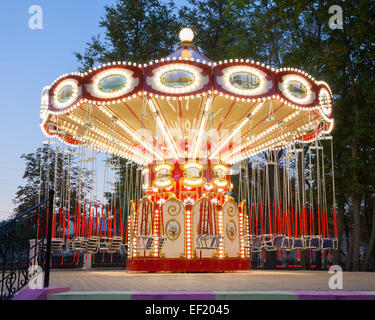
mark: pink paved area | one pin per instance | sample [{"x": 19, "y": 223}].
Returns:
[{"x": 39, "y": 294}]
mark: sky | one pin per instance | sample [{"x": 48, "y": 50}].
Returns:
[{"x": 29, "y": 60}]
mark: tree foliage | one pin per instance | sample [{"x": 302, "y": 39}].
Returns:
[
  {"x": 39, "y": 177},
  {"x": 136, "y": 31}
]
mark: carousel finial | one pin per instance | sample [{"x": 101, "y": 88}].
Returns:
[{"x": 186, "y": 35}]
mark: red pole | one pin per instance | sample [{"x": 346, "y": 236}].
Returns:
[
  {"x": 96, "y": 220},
  {"x": 106, "y": 225},
  {"x": 269, "y": 217},
  {"x": 121, "y": 224},
  {"x": 323, "y": 222},
  {"x": 319, "y": 230},
  {"x": 114, "y": 222},
  {"x": 335, "y": 221},
  {"x": 78, "y": 221},
  {"x": 254, "y": 215},
  {"x": 110, "y": 226},
  {"x": 313, "y": 223},
  {"x": 101, "y": 222},
  {"x": 261, "y": 218},
  {"x": 250, "y": 220},
  {"x": 60, "y": 216},
  {"x": 47, "y": 221},
  {"x": 68, "y": 226},
  {"x": 88, "y": 229},
  {"x": 64, "y": 220},
  {"x": 74, "y": 221},
  {"x": 108, "y": 221},
  {"x": 291, "y": 213},
  {"x": 92, "y": 217},
  {"x": 53, "y": 225},
  {"x": 278, "y": 220},
  {"x": 89, "y": 222},
  {"x": 274, "y": 218},
  {"x": 84, "y": 221},
  {"x": 289, "y": 223},
  {"x": 265, "y": 218}
]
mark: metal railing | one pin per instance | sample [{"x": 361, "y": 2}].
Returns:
[{"x": 25, "y": 248}]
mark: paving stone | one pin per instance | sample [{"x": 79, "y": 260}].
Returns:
[{"x": 259, "y": 280}]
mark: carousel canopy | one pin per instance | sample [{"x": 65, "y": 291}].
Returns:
[{"x": 186, "y": 106}]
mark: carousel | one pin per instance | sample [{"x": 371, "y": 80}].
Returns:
[{"x": 233, "y": 160}]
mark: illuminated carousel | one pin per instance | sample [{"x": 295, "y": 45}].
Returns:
[{"x": 190, "y": 124}]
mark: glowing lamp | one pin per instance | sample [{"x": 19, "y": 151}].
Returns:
[{"x": 186, "y": 35}]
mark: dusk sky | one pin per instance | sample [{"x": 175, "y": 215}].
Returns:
[{"x": 29, "y": 60}]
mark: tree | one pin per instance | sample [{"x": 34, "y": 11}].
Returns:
[
  {"x": 40, "y": 176},
  {"x": 209, "y": 20},
  {"x": 297, "y": 34},
  {"x": 135, "y": 30}
]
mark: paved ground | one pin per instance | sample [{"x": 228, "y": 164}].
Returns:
[{"x": 99, "y": 280}]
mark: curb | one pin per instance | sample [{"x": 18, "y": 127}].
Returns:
[{"x": 213, "y": 295}]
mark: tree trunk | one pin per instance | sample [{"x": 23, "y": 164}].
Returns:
[
  {"x": 371, "y": 242},
  {"x": 356, "y": 230},
  {"x": 356, "y": 196},
  {"x": 340, "y": 232},
  {"x": 349, "y": 254}
]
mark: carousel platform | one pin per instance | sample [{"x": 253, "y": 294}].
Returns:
[{"x": 249, "y": 285}]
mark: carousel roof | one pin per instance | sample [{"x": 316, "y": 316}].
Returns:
[{"x": 186, "y": 106}]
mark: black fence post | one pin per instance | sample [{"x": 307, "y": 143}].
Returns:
[{"x": 49, "y": 237}]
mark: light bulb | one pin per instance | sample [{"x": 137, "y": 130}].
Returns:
[{"x": 186, "y": 35}]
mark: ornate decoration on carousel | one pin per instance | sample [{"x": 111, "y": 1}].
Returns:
[{"x": 190, "y": 123}]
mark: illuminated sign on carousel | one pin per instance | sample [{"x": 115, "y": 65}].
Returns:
[
  {"x": 193, "y": 174},
  {"x": 163, "y": 175}
]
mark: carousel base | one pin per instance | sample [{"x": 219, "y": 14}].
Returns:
[{"x": 184, "y": 265}]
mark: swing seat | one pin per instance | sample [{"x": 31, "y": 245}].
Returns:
[
  {"x": 150, "y": 243},
  {"x": 287, "y": 243},
  {"x": 335, "y": 244},
  {"x": 267, "y": 242},
  {"x": 103, "y": 247},
  {"x": 69, "y": 245},
  {"x": 314, "y": 242},
  {"x": 161, "y": 242},
  {"x": 299, "y": 243},
  {"x": 216, "y": 241},
  {"x": 278, "y": 241},
  {"x": 92, "y": 245},
  {"x": 144, "y": 242},
  {"x": 56, "y": 245},
  {"x": 77, "y": 244},
  {"x": 329, "y": 244},
  {"x": 257, "y": 243},
  {"x": 207, "y": 241},
  {"x": 113, "y": 245}
]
